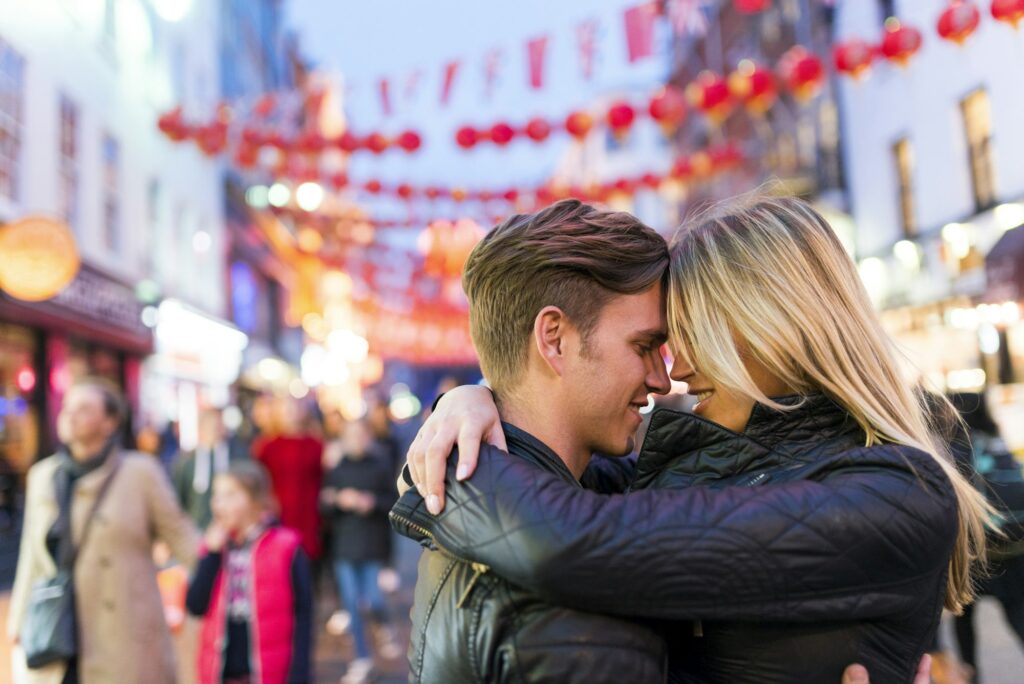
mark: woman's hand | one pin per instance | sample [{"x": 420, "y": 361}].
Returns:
[{"x": 465, "y": 416}]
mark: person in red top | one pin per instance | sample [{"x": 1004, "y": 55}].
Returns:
[{"x": 293, "y": 460}]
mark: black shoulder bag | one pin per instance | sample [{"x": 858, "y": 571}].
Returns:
[{"x": 48, "y": 633}]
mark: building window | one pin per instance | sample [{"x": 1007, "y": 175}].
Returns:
[
  {"x": 68, "y": 163},
  {"x": 111, "y": 194},
  {"x": 977, "y": 114},
  {"x": 12, "y": 71},
  {"x": 903, "y": 155}
]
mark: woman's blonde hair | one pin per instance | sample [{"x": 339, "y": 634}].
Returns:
[{"x": 770, "y": 275}]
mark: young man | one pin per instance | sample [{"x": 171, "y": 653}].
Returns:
[
  {"x": 194, "y": 471},
  {"x": 572, "y": 353}
]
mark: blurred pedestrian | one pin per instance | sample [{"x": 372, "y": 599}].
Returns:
[
  {"x": 170, "y": 445},
  {"x": 357, "y": 495},
  {"x": 379, "y": 416},
  {"x": 999, "y": 476},
  {"x": 93, "y": 512},
  {"x": 194, "y": 470},
  {"x": 293, "y": 460},
  {"x": 253, "y": 588}
]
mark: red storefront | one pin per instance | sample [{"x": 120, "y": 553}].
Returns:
[{"x": 93, "y": 327}]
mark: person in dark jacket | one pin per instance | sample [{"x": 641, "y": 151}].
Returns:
[
  {"x": 802, "y": 518},
  {"x": 194, "y": 470},
  {"x": 358, "y": 491},
  {"x": 999, "y": 475}
]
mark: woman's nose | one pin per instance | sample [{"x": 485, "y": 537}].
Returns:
[{"x": 681, "y": 369}]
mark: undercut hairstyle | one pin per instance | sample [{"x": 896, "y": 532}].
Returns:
[{"x": 570, "y": 255}]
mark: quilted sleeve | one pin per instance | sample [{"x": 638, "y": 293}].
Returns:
[{"x": 854, "y": 543}]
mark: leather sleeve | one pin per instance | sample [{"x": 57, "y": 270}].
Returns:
[{"x": 853, "y": 543}]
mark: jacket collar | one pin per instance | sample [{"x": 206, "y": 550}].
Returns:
[
  {"x": 521, "y": 443},
  {"x": 690, "y": 445}
]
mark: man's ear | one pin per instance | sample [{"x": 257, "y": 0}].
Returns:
[{"x": 549, "y": 333}]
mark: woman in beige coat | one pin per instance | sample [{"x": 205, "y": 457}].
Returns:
[{"x": 122, "y": 634}]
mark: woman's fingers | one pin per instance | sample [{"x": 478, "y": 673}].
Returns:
[{"x": 436, "y": 462}]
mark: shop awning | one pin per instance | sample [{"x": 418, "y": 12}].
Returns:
[{"x": 1004, "y": 267}]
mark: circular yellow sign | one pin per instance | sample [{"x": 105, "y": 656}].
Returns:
[{"x": 38, "y": 258}]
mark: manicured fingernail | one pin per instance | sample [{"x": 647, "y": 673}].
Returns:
[
  {"x": 462, "y": 472},
  {"x": 433, "y": 504}
]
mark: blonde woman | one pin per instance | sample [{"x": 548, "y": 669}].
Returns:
[{"x": 803, "y": 517}]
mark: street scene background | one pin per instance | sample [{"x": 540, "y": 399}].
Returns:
[{"x": 251, "y": 216}]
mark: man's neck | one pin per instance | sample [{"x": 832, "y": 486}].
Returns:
[{"x": 546, "y": 424}]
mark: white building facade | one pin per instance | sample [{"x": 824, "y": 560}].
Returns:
[{"x": 932, "y": 160}]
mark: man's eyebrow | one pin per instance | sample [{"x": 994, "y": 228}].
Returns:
[{"x": 654, "y": 336}]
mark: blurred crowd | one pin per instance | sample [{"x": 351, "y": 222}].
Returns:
[{"x": 193, "y": 549}]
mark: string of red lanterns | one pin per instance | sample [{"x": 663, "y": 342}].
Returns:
[
  {"x": 213, "y": 138},
  {"x": 702, "y": 163}
]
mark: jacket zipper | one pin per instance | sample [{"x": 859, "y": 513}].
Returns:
[{"x": 478, "y": 568}]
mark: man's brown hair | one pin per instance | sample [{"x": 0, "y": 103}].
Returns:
[{"x": 570, "y": 255}]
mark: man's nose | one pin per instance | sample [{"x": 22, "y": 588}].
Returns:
[{"x": 658, "y": 381}]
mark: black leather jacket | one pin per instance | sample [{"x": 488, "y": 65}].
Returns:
[
  {"x": 798, "y": 549},
  {"x": 470, "y": 625}
]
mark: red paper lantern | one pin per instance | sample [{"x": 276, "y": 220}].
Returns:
[
  {"x": 485, "y": 195},
  {"x": 899, "y": 42},
  {"x": 578, "y": 124},
  {"x": 373, "y": 187},
  {"x": 253, "y": 137},
  {"x": 376, "y": 143},
  {"x": 410, "y": 141},
  {"x": 538, "y": 129},
  {"x": 276, "y": 140},
  {"x": 264, "y": 106},
  {"x": 753, "y": 86},
  {"x": 501, "y": 134},
  {"x": 172, "y": 125},
  {"x": 347, "y": 142},
  {"x": 459, "y": 194},
  {"x": 681, "y": 169},
  {"x": 246, "y": 156},
  {"x": 751, "y": 6},
  {"x": 853, "y": 57},
  {"x": 710, "y": 94},
  {"x": 544, "y": 195},
  {"x": 213, "y": 138},
  {"x": 338, "y": 180},
  {"x": 310, "y": 142},
  {"x": 620, "y": 118},
  {"x": 802, "y": 72},
  {"x": 510, "y": 195},
  {"x": 1008, "y": 11},
  {"x": 432, "y": 193},
  {"x": 651, "y": 180},
  {"x": 467, "y": 137},
  {"x": 668, "y": 108},
  {"x": 405, "y": 191},
  {"x": 958, "y": 21}
]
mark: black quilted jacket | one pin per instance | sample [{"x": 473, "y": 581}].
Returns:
[
  {"x": 470, "y": 625},
  {"x": 782, "y": 554}
]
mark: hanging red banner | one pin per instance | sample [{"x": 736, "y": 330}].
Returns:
[
  {"x": 639, "y": 24},
  {"x": 450, "y": 69},
  {"x": 385, "y": 97},
  {"x": 492, "y": 64},
  {"x": 536, "y": 51},
  {"x": 586, "y": 42}
]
